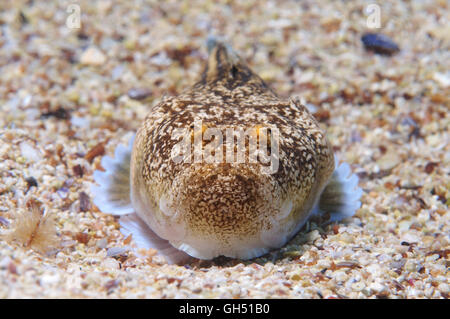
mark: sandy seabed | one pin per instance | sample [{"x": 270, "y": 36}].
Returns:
[{"x": 69, "y": 96}]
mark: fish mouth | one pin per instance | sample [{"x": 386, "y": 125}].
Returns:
[
  {"x": 220, "y": 210},
  {"x": 273, "y": 234},
  {"x": 209, "y": 251},
  {"x": 229, "y": 211}
]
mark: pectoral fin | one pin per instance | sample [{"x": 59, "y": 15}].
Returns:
[
  {"x": 144, "y": 237},
  {"x": 112, "y": 196},
  {"x": 341, "y": 197}
]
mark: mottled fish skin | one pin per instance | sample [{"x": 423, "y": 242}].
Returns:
[{"x": 230, "y": 209}]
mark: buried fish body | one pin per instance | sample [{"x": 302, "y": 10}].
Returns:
[{"x": 211, "y": 201}]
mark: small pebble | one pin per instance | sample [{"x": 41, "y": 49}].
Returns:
[
  {"x": 110, "y": 263},
  {"x": 116, "y": 251},
  {"x": 111, "y": 284},
  {"x": 92, "y": 56},
  {"x": 4, "y": 221},
  {"x": 59, "y": 113},
  {"x": 85, "y": 202},
  {"x": 389, "y": 160},
  {"x": 139, "y": 93},
  {"x": 63, "y": 192},
  {"x": 31, "y": 181},
  {"x": 29, "y": 152},
  {"x": 102, "y": 243},
  {"x": 379, "y": 43},
  {"x": 442, "y": 78},
  {"x": 78, "y": 170},
  {"x": 377, "y": 287},
  {"x": 97, "y": 150}
]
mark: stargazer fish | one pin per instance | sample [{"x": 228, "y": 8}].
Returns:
[{"x": 208, "y": 203}]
